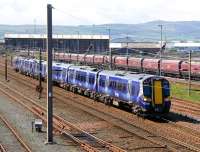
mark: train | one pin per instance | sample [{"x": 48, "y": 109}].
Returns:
[
  {"x": 144, "y": 94},
  {"x": 165, "y": 67}
]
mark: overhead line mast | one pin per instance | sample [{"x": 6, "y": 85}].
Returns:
[{"x": 49, "y": 76}]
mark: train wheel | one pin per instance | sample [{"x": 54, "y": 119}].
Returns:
[
  {"x": 94, "y": 97},
  {"x": 68, "y": 88},
  {"x": 108, "y": 101},
  {"x": 136, "y": 110}
]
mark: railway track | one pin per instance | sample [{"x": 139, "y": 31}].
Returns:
[
  {"x": 15, "y": 133},
  {"x": 184, "y": 107},
  {"x": 177, "y": 104},
  {"x": 156, "y": 146},
  {"x": 184, "y": 81},
  {"x": 172, "y": 144},
  {"x": 87, "y": 141},
  {"x": 182, "y": 127},
  {"x": 134, "y": 129},
  {"x": 2, "y": 148}
]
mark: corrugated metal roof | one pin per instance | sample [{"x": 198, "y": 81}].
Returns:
[
  {"x": 186, "y": 44},
  {"x": 116, "y": 45},
  {"x": 55, "y": 36},
  {"x": 136, "y": 45},
  {"x": 141, "y": 45}
]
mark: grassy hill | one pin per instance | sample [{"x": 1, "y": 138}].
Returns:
[{"x": 183, "y": 30}]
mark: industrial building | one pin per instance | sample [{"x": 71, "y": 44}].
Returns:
[
  {"x": 136, "y": 47},
  {"x": 63, "y": 43},
  {"x": 186, "y": 46}
]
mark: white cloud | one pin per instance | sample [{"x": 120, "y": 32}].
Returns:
[{"x": 70, "y": 12}]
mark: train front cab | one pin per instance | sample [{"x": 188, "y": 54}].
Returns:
[{"x": 157, "y": 92}]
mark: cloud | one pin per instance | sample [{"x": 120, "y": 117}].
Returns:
[{"x": 75, "y": 12}]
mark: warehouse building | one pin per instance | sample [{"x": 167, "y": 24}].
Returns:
[
  {"x": 62, "y": 43},
  {"x": 136, "y": 47}
]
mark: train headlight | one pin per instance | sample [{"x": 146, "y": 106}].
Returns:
[
  {"x": 167, "y": 99},
  {"x": 146, "y": 99}
]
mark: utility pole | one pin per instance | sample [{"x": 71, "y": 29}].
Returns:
[
  {"x": 127, "y": 49},
  {"x": 110, "y": 51},
  {"x": 28, "y": 52},
  {"x": 6, "y": 71},
  {"x": 161, "y": 43},
  {"x": 11, "y": 60},
  {"x": 49, "y": 76},
  {"x": 189, "y": 74},
  {"x": 39, "y": 88},
  {"x": 78, "y": 39}
]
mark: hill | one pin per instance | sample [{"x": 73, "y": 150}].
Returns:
[{"x": 182, "y": 30}]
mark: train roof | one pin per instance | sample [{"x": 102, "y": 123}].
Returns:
[
  {"x": 59, "y": 66},
  {"x": 84, "y": 68},
  {"x": 128, "y": 75}
]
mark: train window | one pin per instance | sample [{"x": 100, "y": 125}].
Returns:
[
  {"x": 76, "y": 76},
  {"x": 54, "y": 72},
  {"x": 102, "y": 83},
  {"x": 113, "y": 84},
  {"x": 122, "y": 87},
  {"x": 166, "y": 88},
  {"x": 71, "y": 74},
  {"x": 80, "y": 77},
  {"x": 83, "y": 78},
  {"x": 133, "y": 89},
  {"x": 91, "y": 80},
  {"x": 64, "y": 73}
]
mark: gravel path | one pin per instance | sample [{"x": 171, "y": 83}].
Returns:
[
  {"x": 21, "y": 119},
  {"x": 8, "y": 140}
]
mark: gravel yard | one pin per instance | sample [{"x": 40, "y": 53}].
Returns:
[{"x": 21, "y": 119}]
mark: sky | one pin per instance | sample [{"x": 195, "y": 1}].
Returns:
[{"x": 91, "y": 12}]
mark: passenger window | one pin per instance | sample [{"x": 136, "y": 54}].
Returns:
[
  {"x": 122, "y": 87},
  {"x": 91, "y": 80},
  {"x": 133, "y": 89},
  {"x": 102, "y": 83},
  {"x": 71, "y": 74},
  {"x": 113, "y": 84},
  {"x": 64, "y": 73},
  {"x": 166, "y": 88}
]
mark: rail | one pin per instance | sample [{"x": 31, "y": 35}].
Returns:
[
  {"x": 15, "y": 133},
  {"x": 89, "y": 143}
]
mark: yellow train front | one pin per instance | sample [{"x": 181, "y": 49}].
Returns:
[{"x": 155, "y": 95}]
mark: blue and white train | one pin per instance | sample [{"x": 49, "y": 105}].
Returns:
[{"x": 143, "y": 93}]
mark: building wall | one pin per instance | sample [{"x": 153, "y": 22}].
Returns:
[{"x": 70, "y": 45}]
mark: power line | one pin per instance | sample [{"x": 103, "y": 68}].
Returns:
[{"x": 71, "y": 15}]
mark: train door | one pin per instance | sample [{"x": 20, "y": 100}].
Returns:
[{"x": 157, "y": 92}]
